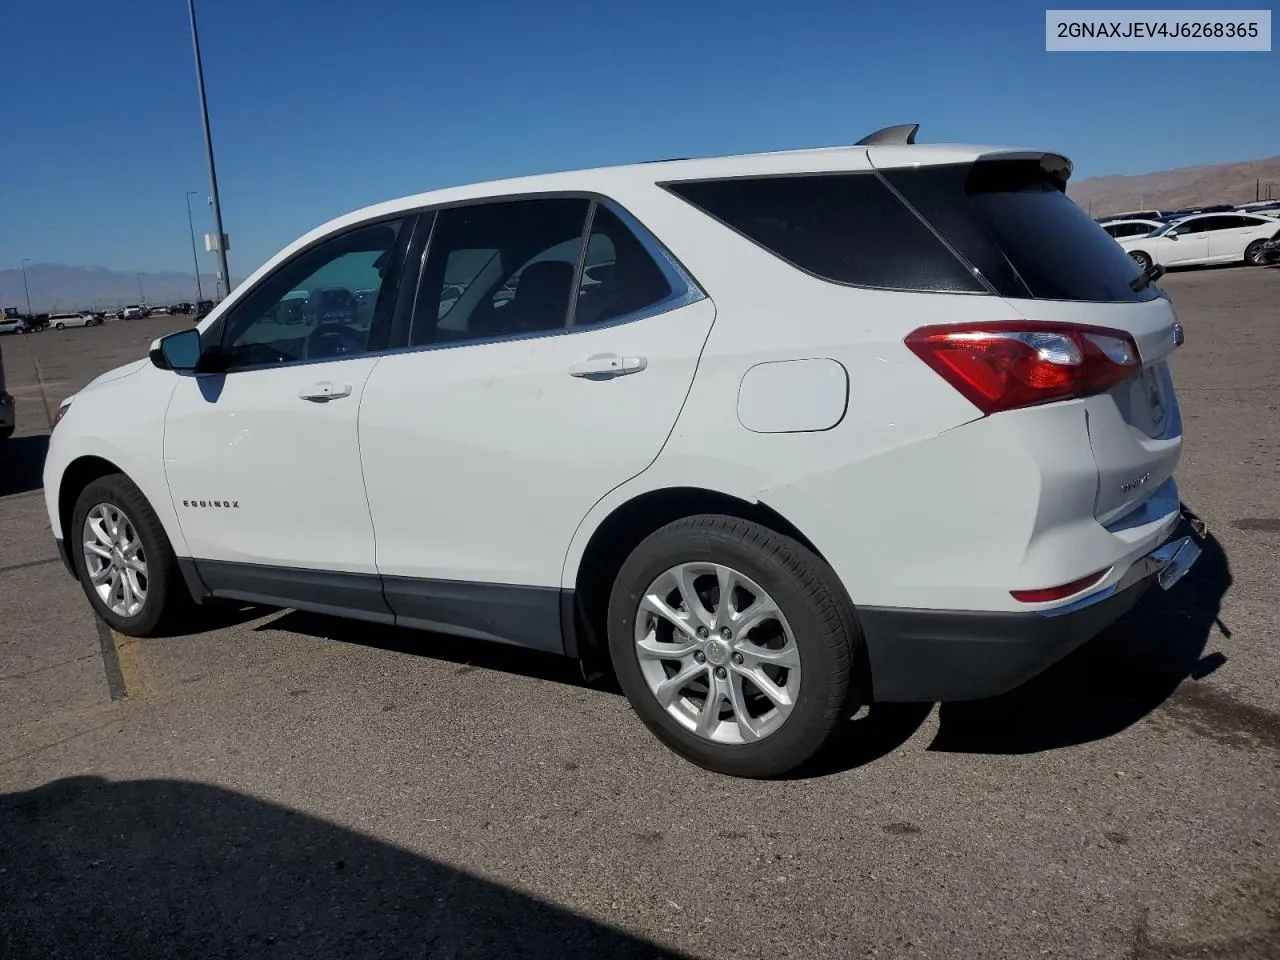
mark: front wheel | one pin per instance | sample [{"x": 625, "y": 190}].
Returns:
[
  {"x": 735, "y": 645},
  {"x": 124, "y": 559},
  {"x": 59, "y": 326},
  {"x": 1141, "y": 259},
  {"x": 1253, "y": 253}
]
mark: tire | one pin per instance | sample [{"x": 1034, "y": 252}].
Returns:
[
  {"x": 1253, "y": 253},
  {"x": 166, "y": 602},
  {"x": 1141, "y": 259},
  {"x": 59, "y": 326},
  {"x": 817, "y": 630}
]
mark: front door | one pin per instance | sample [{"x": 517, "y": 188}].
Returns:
[
  {"x": 1186, "y": 243},
  {"x": 262, "y": 457},
  {"x": 539, "y": 378}
]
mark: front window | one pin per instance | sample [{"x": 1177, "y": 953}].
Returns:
[{"x": 320, "y": 305}]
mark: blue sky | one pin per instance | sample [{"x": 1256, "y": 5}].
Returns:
[{"x": 322, "y": 106}]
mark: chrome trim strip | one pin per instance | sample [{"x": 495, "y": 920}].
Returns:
[{"x": 1168, "y": 564}]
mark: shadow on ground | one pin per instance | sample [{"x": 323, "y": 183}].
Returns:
[
  {"x": 160, "y": 868},
  {"x": 22, "y": 464},
  {"x": 1111, "y": 682},
  {"x": 1101, "y": 689}
]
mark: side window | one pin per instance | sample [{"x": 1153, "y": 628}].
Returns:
[
  {"x": 499, "y": 269},
  {"x": 846, "y": 228},
  {"x": 1198, "y": 225},
  {"x": 322, "y": 304},
  {"x": 619, "y": 277}
]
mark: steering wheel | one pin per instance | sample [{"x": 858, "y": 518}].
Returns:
[{"x": 333, "y": 340}]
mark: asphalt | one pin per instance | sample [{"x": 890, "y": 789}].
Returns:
[{"x": 283, "y": 784}]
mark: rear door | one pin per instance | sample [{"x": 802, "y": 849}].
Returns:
[
  {"x": 537, "y": 377},
  {"x": 1229, "y": 234},
  {"x": 1011, "y": 220}
]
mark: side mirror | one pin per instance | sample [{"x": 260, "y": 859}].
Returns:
[
  {"x": 178, "y": 351},
  {"x": 1172, "y": 235}
]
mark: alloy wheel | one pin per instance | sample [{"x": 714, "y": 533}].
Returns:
[
  {"x": 717, "y": 653},
  {"x": 114, "y": 560}
]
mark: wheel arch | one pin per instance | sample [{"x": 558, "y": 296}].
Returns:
[
  {"x": 622, "y": 530},
  {"x": 79, "y": 473}
]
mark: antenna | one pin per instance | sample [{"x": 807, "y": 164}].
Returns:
[{"x": 900, "y": 134}]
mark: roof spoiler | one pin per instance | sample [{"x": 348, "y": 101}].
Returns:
[{"x": 902, "y": 133}]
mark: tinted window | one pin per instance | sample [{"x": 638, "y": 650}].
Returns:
[
  {"x": 1198, "y": 225},
  {"x": 1011, "y": 220},
  {"x": 619, "y": 277},
  {"x": 1229, "y": 223},
  {"x": 319, "y": 305},
  {"x": 499, "y": 269},
  {"x": 847, "y": 228}
]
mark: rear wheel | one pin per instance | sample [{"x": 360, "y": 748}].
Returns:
[
  {"x": 735, "y": 645},
  {"x": 1141, "y": 259},
  {"x": 1253, "y": 253},
  {"x": 124, "y": 560}
]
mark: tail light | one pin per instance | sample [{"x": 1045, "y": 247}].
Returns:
[{"x": 1021, "y": 363}]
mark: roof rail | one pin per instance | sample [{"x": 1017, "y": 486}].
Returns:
[{"x": 902, "y": 133}]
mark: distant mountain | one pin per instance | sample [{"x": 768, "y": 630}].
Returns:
[
  {"x": 1174, "y": 189},
  {"x": 56, "y": 287}
]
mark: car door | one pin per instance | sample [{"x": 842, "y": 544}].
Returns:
[
  {"x": 262, "y": 456},
  {"x": 537, "y": 378},
  {"x": 1229, "y": 234},
  {"x": 1185, "y": 244}
]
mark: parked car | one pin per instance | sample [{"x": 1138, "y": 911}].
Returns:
[
  {"x": 1271, "y": 250},
  {"x": 14, "y": 325},
  {"x": 1132, "y": 215},
  {"x": 60, "y": 321},
  {"x": 7, "y": 421},
  {"x": 1207, "y": 238},
  {"x": 133, "y": 312},
  {"x": 1131, "y": 228},
  {"x": 890, "y": 422}
]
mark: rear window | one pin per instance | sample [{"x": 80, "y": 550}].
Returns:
[
  {"x": 1012, "y": 222},
  {"x": 847, "y": 228}
]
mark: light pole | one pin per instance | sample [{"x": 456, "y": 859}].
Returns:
[
  {"x": 208, "y": 149},
  {"x": 26, "y": 289},
  {"x": 142, "y": 300},
  {"x": 194, "y": 257}
]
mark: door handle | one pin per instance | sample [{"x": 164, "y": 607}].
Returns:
[
  {"x": 603, "y": 366},
  {"x": 324, "y": 391}
]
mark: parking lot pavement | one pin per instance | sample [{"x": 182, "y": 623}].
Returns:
[{"x": 310, "y": 786}]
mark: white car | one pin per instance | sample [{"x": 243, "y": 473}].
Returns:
[
  {"x": 1204, "y": 238},
  {"x": 887, "y": 422},
  {"x": 14, "y": 325},
  {"x": 60, "y": 320},
  {"x": 131, "y": 313},
  {"x": 1130, "y": 228}
]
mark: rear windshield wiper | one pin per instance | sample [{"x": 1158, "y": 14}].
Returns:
[{"x": 1147, "y": 277}]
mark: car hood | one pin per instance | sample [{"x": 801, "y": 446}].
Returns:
[{"x": 118, "y": 373}]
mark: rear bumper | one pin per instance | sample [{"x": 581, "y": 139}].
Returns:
[{"x": 927, "y": 655}]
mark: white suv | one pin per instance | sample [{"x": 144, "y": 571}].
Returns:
[{"x": 775, "y": 434}]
